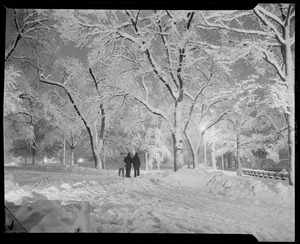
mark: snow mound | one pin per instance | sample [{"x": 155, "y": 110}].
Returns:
[
  {"x": 53, "y": 167},
  {"x": 219, "y": 184},
  {"x": 154, "y": 176},
  {"x": 250, "y": 188},
  {"x": 12, "y": 164},
  {"x": 9, "y": 183},
  {"x": 89, "y": 171},
  {"x": 187, "y": 178},
  {"x": 38, "y": 214}
]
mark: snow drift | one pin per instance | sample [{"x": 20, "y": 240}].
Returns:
[
  {"x": 38, "y": 214},
  {"x": 220, "y": 184}
]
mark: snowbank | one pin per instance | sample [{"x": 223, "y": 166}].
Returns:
[
  {"x": 250, "y": 188},
  {"x": 38, "y": 214},
  {"x": 219, "y": 184},
  {"x": 187, "y": 178},
  {"x": 9, "y": 183},
  {"x": 12, "y": 164}
]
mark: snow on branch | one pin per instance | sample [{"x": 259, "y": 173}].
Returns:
[
  {"x": 213, "y": 123},
  {"x": 152, "y": 109},
  {"x": 260, "y": 15},
  {"x": 270, "y": 15},
  {"x": 273, "y": 62},
  {"x": 221, "y": 25}
]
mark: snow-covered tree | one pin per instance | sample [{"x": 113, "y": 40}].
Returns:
[
  {"x": 161, "y": 46},
  {"x": 29, "y": 26},
  {"x": 75, "y": 79},
  {"x": 266, "y": 37},
  {"x": 243, "y": 130}
]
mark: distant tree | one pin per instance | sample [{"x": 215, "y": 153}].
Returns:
[
  {"x": 156, "y": 144},
  {"x": 242, "y": 130}
]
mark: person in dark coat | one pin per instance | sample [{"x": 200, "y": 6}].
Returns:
[
  {"x": 136, "y": 165},
  {"x": 128, "y": 162}
]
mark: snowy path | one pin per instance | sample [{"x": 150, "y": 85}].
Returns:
[{"x": 141, "y": 205}]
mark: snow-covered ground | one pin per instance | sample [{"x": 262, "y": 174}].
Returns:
[{"x": 58, "y": 198}]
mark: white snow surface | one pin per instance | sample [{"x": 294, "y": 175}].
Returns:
[{"x": 56, "y": 198}]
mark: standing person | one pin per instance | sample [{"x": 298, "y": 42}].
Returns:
[
  {"x": 136, "y": 165},
  {"x": 128, "y": 162},
  {"x": 121, "y": 164}
]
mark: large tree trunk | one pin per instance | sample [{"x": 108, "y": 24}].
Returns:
[
  {"x": 193, "y": 151},
  {"x": 94, "y": 148},
  {"x": 222, "y": 162},
  {"x": 178, "y": 153},
  {"x": 97, "y": 146},
  {"x": 291, "y": 150},
  {"x": 177, "y": 137},
  {"x": 33, "y": 152},
  {"x": 290, "y": 79}
]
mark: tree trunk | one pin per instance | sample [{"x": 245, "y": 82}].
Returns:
[
  {"x": 227, "y": 161},
  {"x": 64, "y": 158},
  {"x": 175, "y": 152},
  {"x": 72, "y": 156},
  {"x": 94, "y": 150},
  {"x": 33, "y": 152},
  {"x": 290, "y": 79},
  {"x": 178, "y": 151},
  {"x": 33, "y": 156},
  {"x": 98, "y": 146},
  {"x": 205, "y": 163},
  {"x": 177, "y": 137},
  {"x": 146, "y": 161},
  {"x": 94, "y": 147},
  {"x": 239, "y": 168},
  {"x": 291, "y": 147},
  {"x": 213, "y": 156},
  {"x": 12, "y": 46},
  {"x": 193, "y": 152},
  {"x": 222, "y": 162}
]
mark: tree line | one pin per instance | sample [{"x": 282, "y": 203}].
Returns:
[{"x": 152, "y": 80}]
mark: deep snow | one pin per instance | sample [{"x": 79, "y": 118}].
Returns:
[{"x": 58, "y": 198}]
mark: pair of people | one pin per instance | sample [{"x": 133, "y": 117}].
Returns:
[{"x": 129, "y": 160}]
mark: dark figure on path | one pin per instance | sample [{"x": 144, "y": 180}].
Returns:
[
  {"x": 136, "y": 165},
  {"x": 121, "y": 164},
  {"x": 128, "y": 162}
]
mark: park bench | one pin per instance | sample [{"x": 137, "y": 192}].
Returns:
[
  {"x": 271, "y": 175},
  {"x": 265, "y": 174},
  {"x": 277, "y": 176},
  {"x": 284, "y": 176}
]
